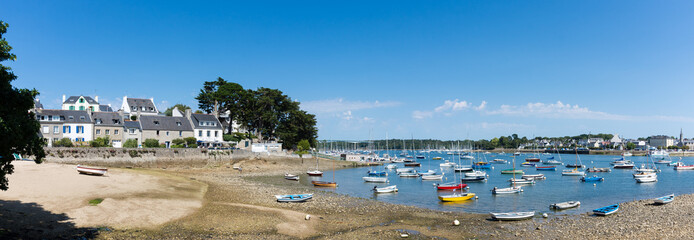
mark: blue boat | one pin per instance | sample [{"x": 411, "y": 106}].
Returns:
[
  {"x": 377, "y": 173},
  {"x": 482, "y": 165},
  {"x": 527, "y": 164},
  {"x": 604, "y": 211},
  {"x": 592, "y": 179},
  {"x": 294, "y": 197},
  {"x": 550, "y": 158},
  {"x": 546, "y": 168},
  {"x": 665, "y": 199}
]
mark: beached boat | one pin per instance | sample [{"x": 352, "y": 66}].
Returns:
[
  {"x": 473, "y": 179},
  {"x": 511, "y": 171},
  {"x": 433, "y": 177},
  {"x": 314, "y": 173},
  {"x": 91, "y": 170},
  {"x": 647, "y": 179},
  {"x": 324, "y": 184},
  {"x": 456, "y": 197},
  {"x": 592, "y": 179},
  {"x": 664, "y": 199},
  {"x": 375, "y": 179},
  {"x": 565, "y": 205},
  {"x": 546, "y": 168},
  {"x": 512, "y": 216},
  {"x": 522, "y": 181},
  {"x": 387, "y": 189},
  {"x": 552, "y": 162},
  {"x": 594, "y": 169},
  {"x": 604, "y": 211},
  {"x": 291, "y": 177},
  {"x": 377, "y": 173},
  {"x": 476, "y": 174},
  {"x": 527, "y": 164},
  {"x": 538, "y": 176},
  {"x": 684, "y": 167},
  {"x": 294, "y": 197},
  {"x": 450, "y": 186}
]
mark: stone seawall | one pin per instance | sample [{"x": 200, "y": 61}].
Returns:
[{"x": 153, "y": 157}]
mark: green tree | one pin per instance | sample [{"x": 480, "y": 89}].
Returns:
[
  {"x": 151, "y": 143},
  {"x": 303, "y": 147},
  {"x": 631, "y": 146},
  {"x": 18, "y": 127},
  {"x": 130, "y": 143},
  {"x": 181, "y": 107},
  {"x": 222, "y": 96},
  {"x": 299, "y": 125}
]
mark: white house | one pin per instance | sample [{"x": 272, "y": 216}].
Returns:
[
  {"x": 58, "y": 124},
  {"x": 136, "y": 106},
  {"x": 206, "y": 128}
]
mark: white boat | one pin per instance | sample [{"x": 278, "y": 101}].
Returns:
[
  {"x": 447, "y": 164},
  {"x": 659, "y": 154},
  {"x": 91, "y": 170},
  {"x": 512, "y": 216},
  {"x": 573, "y": 172},
  {"x": 644, "y": 174},
  {"x": 647, "y": 170},
  {"x": 565, "y": 205},
  {"x": 375, "y": 179},
  {"x": 663, "y": 161},
  {"x": 647, "y": 179},
  {"x": 522, "y": 181},
  {"x": 409, "y": 174},
  {"x": 467, "y": 157},
  {"x": 499, "y": 161},
  {"x": 388, "y": 189},
  {"x": 552, "y": 162},
  {"x": 391, "y": 166},
  {"x": 428, "y": 172},
  {"x": 433, "y": 177},
  {"x": 476, "y": 174},
  {"x": 465, "y": 168},
  {"x": 291, "y": 177},
  {"x": 538, "y": 176},
  {"x": 515, "y": 189},
  {"x": 664, "y": 199},
  {"x": 404, "y": 170},
  {"x": 627, "y": 154}
]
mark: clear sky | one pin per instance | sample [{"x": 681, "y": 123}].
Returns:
[{"x": 427, "y": 69}]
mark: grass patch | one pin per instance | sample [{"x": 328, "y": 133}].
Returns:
[{"x": 95, "y": 201}]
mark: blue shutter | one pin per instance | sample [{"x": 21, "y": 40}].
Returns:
[{"x": 64, "y": 129}]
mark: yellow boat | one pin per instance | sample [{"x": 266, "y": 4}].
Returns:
[
  {"x": 436, "y": 158},
  {"x": 456, "y": 197},
  {"x": 324, "y": 184}
]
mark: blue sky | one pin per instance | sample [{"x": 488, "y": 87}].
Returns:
[{"x": 435, "y": 69}]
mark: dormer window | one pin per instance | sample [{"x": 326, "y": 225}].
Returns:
[
  {"x": 156, "y": 122},
  {"x": 71, "y": 117},
  {"x": 116, "y": 121},
  {"x": 178, "y": 123},
  {"x": 81, "y": 100},
  {"x": 134, "y": 108},
  {"x": 151, "y": 109},
  {"x": 81, "y": 117},
  {"x": 98, "y": 121}
]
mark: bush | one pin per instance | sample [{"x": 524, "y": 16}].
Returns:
[
  {"x": 177, "y": 146},
  {"x": 100, "y": 142},
  {"x": 130, "y": 143},
  {"x": 151, "y": 143},
  {"x": 192, "y": 145},
  {"x": 65, "y": 142},
  {"x": 178, "y": 141},
  {"x": 191, "y": 141}
]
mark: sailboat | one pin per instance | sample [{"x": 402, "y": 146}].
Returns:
[
  {"x": 575, "y": 171},
  {"x": 315, "y": 172},
  {"x": 513, "y": 188}
]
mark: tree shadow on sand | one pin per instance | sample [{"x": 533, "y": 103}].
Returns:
[{"x": 20, "y": 220}]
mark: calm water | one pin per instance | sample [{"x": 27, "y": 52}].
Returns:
[{"x": 619, "y": 185}]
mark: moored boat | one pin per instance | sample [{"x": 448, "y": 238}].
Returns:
[
  {"x": 515, "y": 189},
  {"x": 91, "y": 170},
  {"x": 624, "y": 166},
  {"x": 527, "y": 164},
  {"x": 412, "y": 164},
  {"x": 456, "y": 197},
  {"x": 663, "y": 161},
  {"x": 522, "y": 180},
  {"x": 473, "y": 179},
  {"x": 324, "y": 184},
  {"x": 573, "y": 172},
  {"x": 476, "y": 174},
  {"x": 432, "y": 177},
  {"x": 552, "y": 162},
  {"x": 512, "y": 216},
  {"x": 460, "y": 168},
  {"x": 664, "y": 199},
  {"x": 402, "y": 170},
  {"x": 684, "y": 167},
  {"x": 511, "y": 171},
  {"x": 649, "y": 179},
  {"x": 500, "y": 161},
  {"x": 532, "y": 159},
  {"x": 546, "y": 168},
  {"x": 565, "y": 205},
  {"x": 428, "y": 172},
  {"x": 409, "y": 174},
  {"x": 644, "y": 174},
  {"x": 538, "y": 176},
  {"x": 436, "y": 158},
  {"x": 482, "y": 165},
  {"x": 375, "y": 179},
  {"x": 604, "y": 211},
  {"x": 447, "y": 164},
  {"x": 387, "y": 189},
  {"x": 594, "y": 169},
  {"x": 575, "y": 166},
  {"x": 592, "y": 179},
  {"x": 377, "y": 173},
  {"x": 450, "y": 186},
  {"x": 391, "y": 166}
]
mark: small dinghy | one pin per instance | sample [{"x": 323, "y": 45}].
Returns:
[
  {"x": 527, "y": 164},
  {"x": 428, "y": 172},
  {"x": 538, "y": 176},
  {"x": 450, "y": 186},
  {"x": 604, "y": 211},
  {"x": 375, "y": 179},
  {"x": 291, "y": 177},
  {"x": 473, "y": 179},
  {"x": 664, "y": 199},
  {"x": 91, "y": 170},
  {"x": 512, "y": 216},
  {"x": 522, "y": 181},
  {"x": 594, "y": 169},
  {"x": 409, "y": 174},
  {"x": 294, "y": 197},
  {"x": 476, "y": 174},
  {"x": 403, "y": 170},
  {"x": 546, "y": 168},
  {"x": 432, "y": 177},
  {"x": 565, "y": 205},
  {"x": 377, "y": 173},
  {"x": 592, "y": 179},
  {"x": 499, "y": 161},
  {"x": 456, "y": 197},
  {"x": 507, "y": 190},
  {"x": 387, "y": 189}
]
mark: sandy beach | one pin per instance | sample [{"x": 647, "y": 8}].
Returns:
[{"x": 219, "y": 202}]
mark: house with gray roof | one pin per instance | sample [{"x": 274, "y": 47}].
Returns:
[
  {"x": 139, "y": 106},
  {"x": 164, "y": 128},
  {"x": 81, "y": 103},
  {"x": 109, "y": 124},
  {"x": 206, "y": 127},
  {"x": 58, "y": 124},
  {"x": 132, "y": 131}
]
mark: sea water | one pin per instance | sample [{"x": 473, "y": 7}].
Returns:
[{"x": 618, "y": 186}]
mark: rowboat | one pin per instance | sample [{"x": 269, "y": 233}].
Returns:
[
  {"x": 476, "y": 174},
  {"x": 604, "y": 211},
  {"x": 91, "y": 170},
  {"x": 377, "y": 173},
  {"x": 375, "y": 179},
  {"x": 294, "y": 197},
  {"x": 546, "y": 168},
  {"x": 594, "y": 169},
  {"x": 522, "y": 181},
  {"x": 687, "y": 167},
  {"x": 473, "y": 179},
  {"x": 644, "y": 174},
  {"x": 512, "y": 216},
  {"x": 573, "y": 172},
  {"x": 511, "y": 171},
  {"x": 592, "y": 179},
  {"x": 516, "y": 189},
  {"x": 647, "y": 179},
  {"x": 291, "y": 177},
  {"x": 456, "y": 197},
  {"x": 409, "y": 174},
  {"x": 527, "y": 164},
  {"x": 664, "y": 199},
  {"x": 538, "y": 176},
  {"x": 433, "y": 177},
  {"x": 388, "y": 189},
  {"x": 565, "y": 205},
  {"x": 552, "y": 162},
  {"x": 428, "y": 172},
  {"x": 402, "y": 170},
  {"x": 450, "y": 186},
  {"x": 314, "y": 173},
  {"x": 324, "y": 184},
  {"x": 499, "y": 161}
]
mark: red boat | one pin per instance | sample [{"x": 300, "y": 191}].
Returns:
[
  {"x": 450, "y": 186},
  {"x": 532, "y": 159}
]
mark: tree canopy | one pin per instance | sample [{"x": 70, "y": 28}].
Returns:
[
  {"x": 181, "y": 107},
  {"x": 18, "y": 127}
]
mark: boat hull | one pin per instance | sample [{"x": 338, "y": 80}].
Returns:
[
  {"x": 565, "y": 205},
  {"x": 664, "y": 199},
  {"x": 514, "y": 216},
  {"x": 324, "y": 184},
  {"x": 451, "y": 186},
  {"x": 456, "y": 197},
  {"x": 604, "y": 211},
  {"x": 91, "y": 170}
]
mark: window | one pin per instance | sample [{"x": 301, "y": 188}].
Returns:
[
  {"x": 115, "y": 132},
  {"x": 157, "y": 132},
  {"x": 208, "y": 133},
  {"x": 81, "y": 117},
  {"x": 91, "y": 108},
  {"x": 55, "y": 139},
  {"x": 81, "y": 108},
  {"x": 72, "y": 107},
  {"x": 216, "y": 133},
  {"x": 98, "y": 121},
  {"x": 132, "y": 130},
  {"x": 167, "y": 133},
  {"x": 180, "y": 133},
  {"x": 81, "y": 100},
  {"x": 200, "y": 133},
  {"x": 66, "y": 129},
  {"x": 71, "y": 117},
  {"x": 156, "y": 122},
  {"x": 45, "y": 130},
  {"x": 79, "y": 129},
  {"x": 56, "y": 129},
  {"x": 98, "y": 131},
  {"x": 108, "y": 132},
  {"x": 134, "y": 108},
  {"x": 178, "y": 123}
]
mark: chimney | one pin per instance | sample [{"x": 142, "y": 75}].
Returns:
[
  {"x": 189, "y": 112},
  {"x": 63, "y": 97},
  {"x": 96, "y": 98}
]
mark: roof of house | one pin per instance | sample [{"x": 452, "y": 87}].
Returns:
[
  {"x": 139, "y": 103},
  {"x": 165, "y": 123},
  {"x": 105, "y": 108},
  {"x": 197, "y": 118},
  {"x": 67, "y": 116},
  {"x": 37, "y": 104},
  {"x": 132, "y": 124},
  {"x": 107, "y": 119},
  {"x": 73, "y": 99}
]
